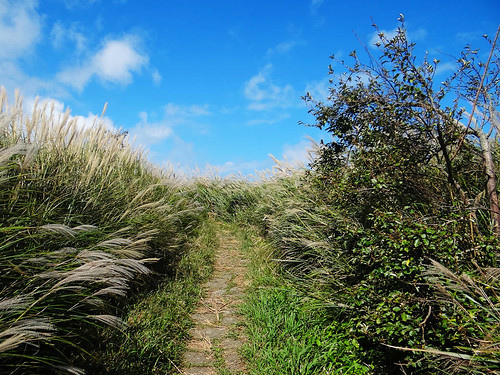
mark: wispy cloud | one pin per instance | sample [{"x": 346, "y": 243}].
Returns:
[
  {"x": 147, "y": 133},
  {"x": 71, "y": 4},
  {"x": 150, "y": 132},
  {"x": 314, "y": 9},
  {"x": 283, "y": 47},
  {"x": 179, "y": 112},
  {"x": 20, "y": 31},
  {"x": 315, "y": 4},
  {"x": 253, "y": 167},
  {"x": 156, "y": 77},
  {"x": 376, "y": 36},
  {"x": 114, "y": 62},
  {"x": 264, "y": 94},
  {"x": 319, "y": 90},
  {"x": 181, "y": 157},
  {"x": 467, "y": 37},
  {"x": 61, "y": 34},
  {"x": 20, "y": 27},
  {"x": 299, "y": 153},
  {"x": 269, "y": 120},
  {"x": 13, "y": 77},
  {"x": 445, "y": 67}
]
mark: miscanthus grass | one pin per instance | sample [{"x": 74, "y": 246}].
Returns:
[{"x": 84, "y": 219}]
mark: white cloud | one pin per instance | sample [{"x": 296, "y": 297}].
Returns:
[
  {"x": 319, "y": 90},
  {"x": 71, "y": 4},
  {"x": 76, "y": 77},
  {"x": 60, "y": 34},
  {"x": 89, "y": 121},
  {"x": 415, "y": 35},
  {"x": 376, "y": 37},
  {"x": 269, "y": 120},
  {"x": 445, "y": 67},
  {"x": 148, "y": 133},
  {"x": 20, "y": 27},
  {"x": 156, "y": 77},
  {"x": 299, "y": 153},
  {"x": 283, "y": 47},
  {"x": 315, "y": 4},
  {"x": 469, "y": 37},
  {"x": 264, "y": 94},
  {"x": 12, "y": 78},
  {"x": 56, "y": 109},
  {"x": 314, "y": 7},
  {"x": 363, "y": 77},
  {"x": 187, "y": 116},
  {"x": 178, "y": 112},
  {"x": 180, "y": 159},
  {"x": 57, "y": 35},
  {"x": 182, "y": 156},
  {"x": 243, "y": 167},
  {"x": 114, "y": 62}
]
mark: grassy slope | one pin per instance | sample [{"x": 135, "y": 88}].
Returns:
[{"x": 85, "y": 223}]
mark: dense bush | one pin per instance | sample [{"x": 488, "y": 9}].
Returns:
[
  {"x": 394, "y": 208},
  {"x": 372, "y": 277}
]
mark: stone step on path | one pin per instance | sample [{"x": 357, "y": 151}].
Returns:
[{"x": 218, "y": 334}]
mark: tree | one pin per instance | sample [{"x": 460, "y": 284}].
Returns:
[
  {"x": 389, "y": 118},
  {"x": 482, "y": 83}
]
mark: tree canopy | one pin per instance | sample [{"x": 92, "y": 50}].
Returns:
[{"x": 408, "y": 136}]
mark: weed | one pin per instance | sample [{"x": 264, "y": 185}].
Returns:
[{"x": 285, "y": 334}]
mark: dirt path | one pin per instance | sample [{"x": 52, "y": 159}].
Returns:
[{"x": 217, "y": 334}]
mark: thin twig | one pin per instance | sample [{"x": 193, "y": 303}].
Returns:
[{"x": 474, "y": 103}]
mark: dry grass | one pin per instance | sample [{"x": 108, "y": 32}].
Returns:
[
  {"x": 83, "y": 216},
  {"x": 475, "y": 300}
]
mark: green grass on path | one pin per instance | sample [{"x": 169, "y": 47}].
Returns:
[
  {"x": 286, "y": 334},
  {"x": 158, "y": 324}
]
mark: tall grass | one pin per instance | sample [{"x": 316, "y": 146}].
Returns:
[
  {"x": 158, "y": 322},
  {"x": 84, "y": 218},
  {"x": 473, "y": 298},
  {"x": 368, "y": 275}
]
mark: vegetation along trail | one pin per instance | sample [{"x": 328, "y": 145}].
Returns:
[{"x": 382, "y": 258}]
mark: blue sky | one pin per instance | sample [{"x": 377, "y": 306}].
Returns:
[{"x": 215, "y": 82}]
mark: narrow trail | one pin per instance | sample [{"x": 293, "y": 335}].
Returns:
[{"x": 218, "y": 333}]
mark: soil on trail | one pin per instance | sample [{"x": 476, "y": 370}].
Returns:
[{"x": 218, "y": 333}]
